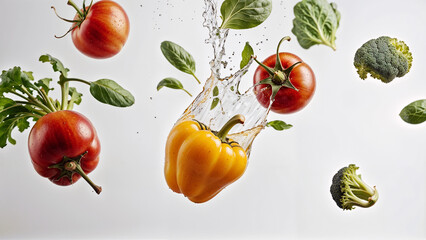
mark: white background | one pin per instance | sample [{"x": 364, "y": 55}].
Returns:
[{"x": 284, "y": 193}]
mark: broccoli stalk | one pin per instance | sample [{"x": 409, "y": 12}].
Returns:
[
  {"x": 383, "y": 58},
  {"x": 349, "y": 190}
]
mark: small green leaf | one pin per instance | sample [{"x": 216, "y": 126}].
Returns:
[
  {"x": 279, "y": 125},
  {"x": 6, "y": 128},
  {"x": 56, "y": 64},
  {"x": 10, "y": 80},
  {"x": 44, "y": 84},
  {"x": 178, "y": 57},
  {"x": 215, "y": 91},
  {"x": 246, "y": 55},
  {"x": 244, "y": 14},
  {"x": 414, "y": 112},
  {"x": 214, "y": 103},
  {"x": 109, "y": 92},
  {"x": 172, "y": 83},
  {"x": 22, "y": 124},
  {"x": 5, "y": 103},
  {"x": 8, "y": 125},
  {"x": 75, "y": 96}
]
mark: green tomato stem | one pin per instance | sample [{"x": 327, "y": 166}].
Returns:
[
  {"x": 77, "y": 80},
  {"x": 33, "y": 109},
  {"x": 32, "y": 100},
  {"x": 73, "y": 166},
  {"x": 223, "y": 132},
  {"x": 47, "y": 99},
  {"x": 64, "y": 93},
  {"x": 270, "y": 71},
  {"x": 278, "y": 64},
  {"x": 71, "y": 3}
]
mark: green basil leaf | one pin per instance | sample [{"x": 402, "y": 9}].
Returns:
[
  {"x": 178, "y": 57},
  {"x": 214, "y": 103},
  {"x": 315, "y": 22},
  {"x": 246, "y": 55},
  {"x": 414, "y": 112},
  {"x": 244, "y": 14},
  {"x": 279, "y": 125},
  {"x": 172, "y": 83},
  {"x": 56, "y": 64},
  {"x": 109, "y": 92},
  {"x": 215, "y": 91}
]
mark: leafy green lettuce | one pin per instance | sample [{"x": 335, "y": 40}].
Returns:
[{"x": 316, "y": 22}]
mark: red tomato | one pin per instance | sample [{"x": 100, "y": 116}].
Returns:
[
  {"x": 103, "y": 32},
  {"x": 62, "y": 137},
  {"x": 287, "y": 100}
]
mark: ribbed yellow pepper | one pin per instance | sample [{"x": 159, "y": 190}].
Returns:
[{"x": 199, "y": 162}]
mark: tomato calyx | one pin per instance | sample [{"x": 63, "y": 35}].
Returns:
[
  {"x": 82, "y": 14},
  {"x": 69, "y": 166},
  {"x": 278, "y": 76}
]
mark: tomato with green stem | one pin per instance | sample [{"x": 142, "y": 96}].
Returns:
[
  {"x": 63, "y": 144},
  {"x": 99, "y": 30},
  {"x": 284, "y": 82}
]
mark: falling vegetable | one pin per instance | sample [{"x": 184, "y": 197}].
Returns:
[
  {"x": 99, "y": 30},
  {"x": 316, "y": 22},
  {"x": 63, "y": 144},
  {"x": 284, "y": 81},
  {"x": 200, "y": 162},
  {"x": 383, "y": 58},
  {"x": 349, "y": 190},
  {"x": 414, "y": 112}
]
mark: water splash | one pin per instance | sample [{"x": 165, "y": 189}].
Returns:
[{"x": 231, "y": 101}]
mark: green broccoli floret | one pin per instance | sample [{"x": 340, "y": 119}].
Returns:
[
  {"x": 349, "y": 190},
  {"x": 383, "y": 58}
]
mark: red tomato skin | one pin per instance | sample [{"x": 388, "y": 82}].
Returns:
[
  {"x": 104, "y": 31},
  {"x": 287, "y": 100},
  {"x": 63, "y": 133}
]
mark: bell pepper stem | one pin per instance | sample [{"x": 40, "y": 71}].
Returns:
[
  {"x": 72, "y": 166},
  {"x": 223, "y": 132}
]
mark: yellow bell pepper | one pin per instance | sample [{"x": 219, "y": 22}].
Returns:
[{"x": 199, "y": 162}]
